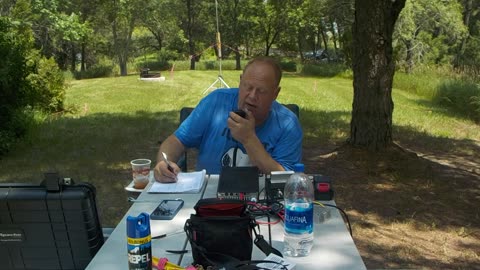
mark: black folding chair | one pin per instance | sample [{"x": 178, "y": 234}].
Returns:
[{"x": 182, "y": 162}]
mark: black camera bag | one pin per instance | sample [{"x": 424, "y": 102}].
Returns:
[{"x": 220, "y": 234}]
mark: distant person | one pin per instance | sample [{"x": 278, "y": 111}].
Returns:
[{"x": 269, "y": 137}]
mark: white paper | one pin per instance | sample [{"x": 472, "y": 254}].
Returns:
[
  {"x": 274, "y": 266},
  {"x": 187, "y": 182}
]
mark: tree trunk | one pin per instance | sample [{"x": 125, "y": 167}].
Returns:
[
  {"x": 194, "y": 56},
  {"x": 324, "y": 38},
  {"x": 238, "y": 65},
  {"x": 269, "y": 41},
  {"x": 267, "y": 51},
  {"x": 299, "y": 45},
  {"x": 466, "y": 20},
  {"x": 82, "y": 66},
  {"x": 247, "y": 45},
  {"x": 73, "y": 64},
  {"x": 190, "y": 25},
  {"x": 334, "y": 37},
  {"x": 409, "y": 57},
  {"x": 317, "y": 42},
  {"x": 158, "y": 37},
  {"x": 122, "y": 62},
  {"x": 373, "y": 70}
]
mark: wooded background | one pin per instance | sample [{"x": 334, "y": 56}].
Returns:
[
  {"x": 98, "y": 37},
  {"x": 80, "y": 34}
]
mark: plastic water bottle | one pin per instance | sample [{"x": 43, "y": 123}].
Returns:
[
  {"x": 298, "y": 195},
  {"x": 139, "y": 242}
]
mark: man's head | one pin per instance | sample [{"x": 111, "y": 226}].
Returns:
[{"x": 259, "y": 87}]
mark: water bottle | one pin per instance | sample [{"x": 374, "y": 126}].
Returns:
[
  {"x": 298, "y": 195},
  {"x": 139, "y": 245}
]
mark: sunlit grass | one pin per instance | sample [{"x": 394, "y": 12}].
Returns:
[{"x": 457, "y": 93}]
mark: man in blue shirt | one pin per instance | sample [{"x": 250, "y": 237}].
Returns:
[{"x": 269, "y": 137}]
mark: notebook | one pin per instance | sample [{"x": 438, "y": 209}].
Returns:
[{"x": 190, "y": 182}]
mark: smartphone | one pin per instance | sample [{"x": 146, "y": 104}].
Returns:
[
  {"x": 167, "y": 209},
  {"x": 242, "y": 113}
]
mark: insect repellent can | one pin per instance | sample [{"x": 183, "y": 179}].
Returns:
[{"x": 139, "y": 242}]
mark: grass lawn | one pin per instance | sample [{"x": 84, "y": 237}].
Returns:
[{"x": 114, "y": 120}]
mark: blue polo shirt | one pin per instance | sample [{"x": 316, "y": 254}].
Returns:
[{"x": 206, "y": 129}]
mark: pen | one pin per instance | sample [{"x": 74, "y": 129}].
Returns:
[
  {"x": 183, "y": 251},
  {"x": 159, "y": 236},
  {"x": 169, "y": 234},
  {"x": 169, "y": 167}
]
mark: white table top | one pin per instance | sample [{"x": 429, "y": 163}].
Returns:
[
  {"x": 333, "y": 247},
  {"x": 113, "y": 254}
]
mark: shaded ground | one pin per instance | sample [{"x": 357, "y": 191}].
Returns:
[
  {"x": 414, "y": 207},
  {"x": 409, "y": 207}
]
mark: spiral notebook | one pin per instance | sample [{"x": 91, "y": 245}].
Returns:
[{"x": 190, "y": 182}]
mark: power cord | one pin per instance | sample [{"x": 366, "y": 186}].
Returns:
[
  {"x": 341, "y": 211},
  {"x": 276, "y": 208}
]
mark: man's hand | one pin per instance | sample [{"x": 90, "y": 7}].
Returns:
[
  {"x": 242, "y": 129},
  {"x": 163, "y": 175}
]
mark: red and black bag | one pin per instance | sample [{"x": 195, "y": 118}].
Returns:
[{"x": 220, "y": 234}]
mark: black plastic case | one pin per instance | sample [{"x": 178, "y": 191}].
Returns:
[{"x": 51, "y": 226}]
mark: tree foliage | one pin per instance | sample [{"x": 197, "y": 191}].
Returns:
[
  {"x": 233, "y": 28},
  {"x": 468, "y": 54},
  {"x": 427, "y": 31},
  {"x": 14, "y": 69},
  {"x": 54, "y": 31},
  {"x": 72, "y": 31},
  {"x": 28, "y": 81},
  {"x": 163, "y": 23}
]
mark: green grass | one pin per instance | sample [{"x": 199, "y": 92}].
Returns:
[
  {"x": 117, "y": 119},
  {"x": 457, "y": 93}
]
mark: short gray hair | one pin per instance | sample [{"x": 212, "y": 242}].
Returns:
[{"x": 272, "y": 62}]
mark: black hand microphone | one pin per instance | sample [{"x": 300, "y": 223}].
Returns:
[{"x": 242, "y": 113}]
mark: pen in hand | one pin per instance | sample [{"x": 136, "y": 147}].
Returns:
[{"x": 170, "y": 168}]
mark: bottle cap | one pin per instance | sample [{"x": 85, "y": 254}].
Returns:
[
  {"x": 139, "y": 226},
  {"x": 299, "y": 167}
]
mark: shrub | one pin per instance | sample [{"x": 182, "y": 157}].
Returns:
[
  {"x": 47, "y": 86},
  {"x": 95, "y": 71},
  {"x": 323, "y": 69},
  {"x": 289, "y": 66},
  {"x": 417, "y": 83},
  {"x": 7, "y": 138},
  {"x": 18, "y": 124},
  {"x": 68, "y": 75},
  {"x": 181, "y": 65},
  {"x": 456, "y": 90},
  {"x": 213, "y": 65},
  {"x": 424, "y": 81},
  {"x": 206, "y": 65},
  {"x": 462, "y": 96},
  {"x": 160, "y": 61},
  {"x": 153, "y": 65},
  {"x": 27, "y": 82},
  {"x": 13, "y": 85},
  {"x": 475, "y": 102}
]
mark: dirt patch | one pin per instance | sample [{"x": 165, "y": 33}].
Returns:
[{"x": 409, "y": 208}]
